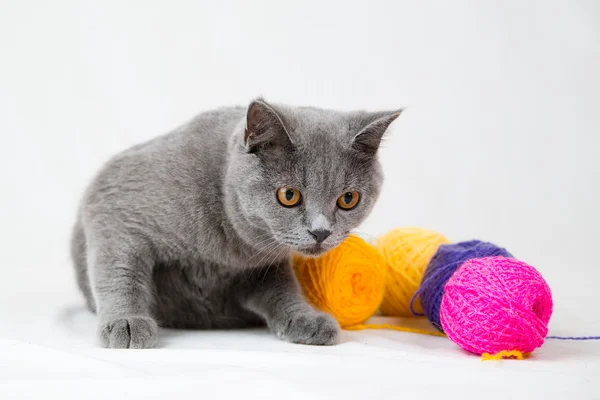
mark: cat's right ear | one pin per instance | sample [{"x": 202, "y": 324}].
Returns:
[{"x": 265, "y": 129}]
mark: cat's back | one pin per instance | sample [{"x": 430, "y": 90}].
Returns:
[
  {"x": 166, "y": 186},
  {"x": 204, "y": 135},
  {"x": 194, "y": 152}
]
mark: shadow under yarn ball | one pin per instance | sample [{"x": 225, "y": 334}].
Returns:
[{"x": 443, "y": 264}]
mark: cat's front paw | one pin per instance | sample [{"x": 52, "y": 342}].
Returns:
[
  {"x": 312, "y": 328},
  {"x": 135, "y": 332}
]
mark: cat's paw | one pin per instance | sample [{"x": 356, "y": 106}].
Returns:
[
  {"x": 312, "y": 328},
  {"x": 135, "y": 332}
]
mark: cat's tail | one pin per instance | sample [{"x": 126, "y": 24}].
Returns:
[{"x": 78, "y": 255}]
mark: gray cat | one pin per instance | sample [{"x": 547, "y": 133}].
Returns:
[{"x": 195, "y": 228}]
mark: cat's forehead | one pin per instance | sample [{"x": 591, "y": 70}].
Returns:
[
  {"x": 323, "y": 156},
  {"x": 319, "y": 128}
]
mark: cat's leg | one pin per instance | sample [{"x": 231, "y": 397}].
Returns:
[
  {"x": 121, "y": 279},
  {"x": 274, "y": 294}
]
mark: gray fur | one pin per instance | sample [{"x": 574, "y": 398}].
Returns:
[{"x": 185, "y": 230}]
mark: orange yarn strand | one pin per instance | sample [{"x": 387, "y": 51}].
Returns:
[
  {"x": 505, "y": 354},
  {"x": 359, "y": 327}
]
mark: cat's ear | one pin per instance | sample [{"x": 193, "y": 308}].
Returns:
[
  {"x": 265, "y": 128},
  {"x": 371, "y": 128}
]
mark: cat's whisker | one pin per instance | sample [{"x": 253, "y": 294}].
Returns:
[
  {"x": 263, "y": 248},
  {"x": 268, "y": 237},
  {"x": 265, "y": 239},
  {"x": 264, "y": 251},
  {"x": 243, "y": 244},
  {"x": 258, "y": 264},
  {"x": 279, "y": 253},
  {"x": 268, "y": 254},
  {"x": 257, "y": 253}
]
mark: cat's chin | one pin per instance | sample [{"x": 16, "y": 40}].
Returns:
[{"x": 313, "y": 251}]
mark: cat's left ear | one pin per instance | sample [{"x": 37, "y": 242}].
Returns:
[
  {"x": 265, "y": 128},
  {"x": 371, "y": 128}
]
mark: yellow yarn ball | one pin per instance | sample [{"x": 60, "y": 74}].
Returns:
[
  {"x": 406, "y": 252},
  {"x": 348, "y": 282}
]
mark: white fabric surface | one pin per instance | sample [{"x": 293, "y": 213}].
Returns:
[{"x": 48, "y": 350}]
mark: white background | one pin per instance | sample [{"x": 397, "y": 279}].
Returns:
[{"x": 499, "y": 141}]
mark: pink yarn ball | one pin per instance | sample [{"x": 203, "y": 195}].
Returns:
[{"x": 495, "y": 303}]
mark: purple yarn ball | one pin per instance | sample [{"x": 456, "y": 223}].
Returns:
[{"x": 443, "y": 264}]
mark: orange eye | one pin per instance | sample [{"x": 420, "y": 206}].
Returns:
[
  {"x": 289, "y": 197},
  {"x": 348, "y": 200}
]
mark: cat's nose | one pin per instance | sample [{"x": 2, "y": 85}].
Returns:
[{"x": 320, "y": 234}]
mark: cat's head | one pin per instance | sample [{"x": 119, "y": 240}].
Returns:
[{"x": 305, "y": 177}]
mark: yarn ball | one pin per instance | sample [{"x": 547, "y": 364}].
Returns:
[
  {"x": 496, "y": 304},
  {"x": 443, "y": 264},
  {"x": 347, "y": 282},
  {"x": 406, "y": 252}
]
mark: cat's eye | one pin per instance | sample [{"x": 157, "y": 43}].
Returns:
[
  {"x": 289, "y": 197},
  {"x": 348, "y": 200}
]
